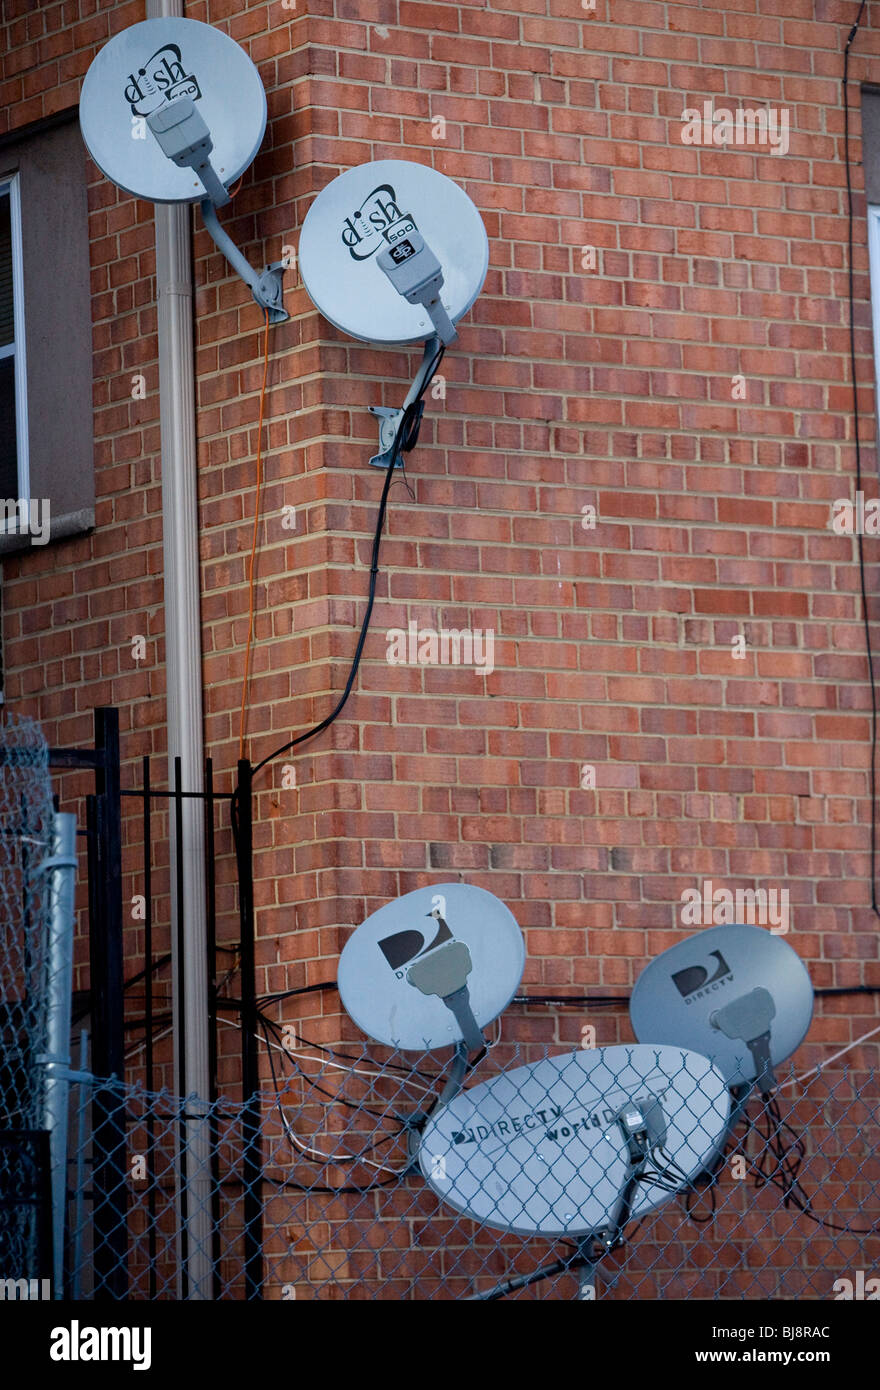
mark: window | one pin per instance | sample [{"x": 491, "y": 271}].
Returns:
[
  {"x": 13, "y": 387},
  {"x": 47, "y": 448}
]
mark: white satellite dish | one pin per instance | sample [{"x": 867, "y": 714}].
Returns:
[
  {"x": 736, "y": 993},
  {"x": 143, "y": 71},
  {"x": 402, "y": 973},
  {"x": 376, "y": 208},
  {"x": 174, "y": 111},
  {"x": 540, "y": 1150}
]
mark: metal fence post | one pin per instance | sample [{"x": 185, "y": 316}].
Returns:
[
  {"x": 61, "y": 867},
  {"x": 109, "y": 1177},
  {"x": 148, "y": 1010},
  {"x": 250, "y": 1072},
  {"x": 211, "y": 964}
]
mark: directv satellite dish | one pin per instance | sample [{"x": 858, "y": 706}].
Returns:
[
  {"x": 735, "y": 993},
  {"x": 432, "y": 968},
  {"x": 143, "y": 71},
  {"x": 542, "y": 1150},
  {"x": 389, "y": 208}
]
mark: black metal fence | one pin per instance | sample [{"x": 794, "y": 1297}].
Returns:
[{"x": 135, "y": 835}]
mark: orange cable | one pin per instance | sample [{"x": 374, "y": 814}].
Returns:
[{"x": 250, "y": 636}]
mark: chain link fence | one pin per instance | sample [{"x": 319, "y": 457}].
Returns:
[
  {"x": 25, "y": 841},
  {"x": 25, "y": 912},
  {"x": 326, "y": 1190},
  {"x": 364, "y": 1173}
]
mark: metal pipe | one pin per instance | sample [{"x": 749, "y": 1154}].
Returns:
[
  {"x": 183, "y": 656},
  {"x": 61, "y": 867}
]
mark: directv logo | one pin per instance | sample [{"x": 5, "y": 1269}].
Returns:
[
  {"x": 694, "y": 982},
  {"x": 402, "y": 947},
  {"x": 507, "y": 1128},
  {"x": 515, "y": 1124}
]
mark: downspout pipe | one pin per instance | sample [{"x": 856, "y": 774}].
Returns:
[{"x": 183, "y": 657}]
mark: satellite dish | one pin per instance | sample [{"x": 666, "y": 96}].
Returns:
[
  {"x": 722, "y": 989},
  {"x": 540, "y": 1150},
  {"x": 143, "y": 71},
  {"x": 375, "y": 208},
  {"x": 402, "y": 973}
]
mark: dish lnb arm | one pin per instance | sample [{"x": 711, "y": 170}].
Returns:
[
  {"x": 183, "y": 136},
  {"x": 267, "y": 288}
]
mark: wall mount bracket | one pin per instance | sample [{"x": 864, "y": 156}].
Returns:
[
  {"x": 267, "y": 287},
  {"x": 184, "y": 138},
  {"x": 390, "y": 420}
]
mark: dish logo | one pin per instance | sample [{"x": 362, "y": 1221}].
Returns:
[
  {"x": 162, "y": 78},
  {"x": 376, "y": 223},
  {"x": 403, "y": 947},
  {"x": 695, "y": 979}
]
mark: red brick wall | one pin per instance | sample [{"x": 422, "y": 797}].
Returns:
[{"x": 570, "y": 387}]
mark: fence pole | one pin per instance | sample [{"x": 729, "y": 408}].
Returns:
[
  {"x": 109, "y": 1177},
  {"x": 148, "y": 1017},
  {"x": 62, "y": 878},
  {"x": 211, "y": 963},
  {"x": 76, "y": 1241},
  {"x": 195, "y": 1166},
  {"x": 250, "y": 1071}
]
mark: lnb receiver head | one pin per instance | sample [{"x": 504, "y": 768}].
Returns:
[
  {"x": 416, "y": 273},
  {"x": 181, "y": 132},
  {"x": 184, "y": 138},
  {"x": 748, "y": 1019}
]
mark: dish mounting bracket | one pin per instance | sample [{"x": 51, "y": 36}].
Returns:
[
  {"x": 183, "y": 137},
  {"x": 390, "y": 420},
  {"x": 267, "y": 288}
]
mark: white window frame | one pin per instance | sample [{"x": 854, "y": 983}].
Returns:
[{"x": 10, "y": 184}]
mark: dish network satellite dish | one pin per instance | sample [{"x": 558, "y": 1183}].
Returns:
[
  {"x": 363, "y": 241},
  {"x": 548, "y": 1149},
  {"x": 736, "y": 993},
  {"x": 394, "y": 252},
  {"x": 432, "y": 968},
  {"x": 174, "y": 111}
]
